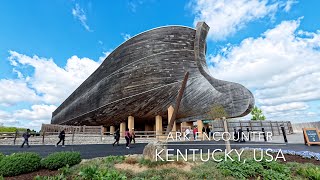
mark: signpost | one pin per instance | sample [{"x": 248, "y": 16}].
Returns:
[{"x": 311, "y": 136}]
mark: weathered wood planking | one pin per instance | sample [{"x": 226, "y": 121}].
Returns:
[{"x": 142, "y": 78}]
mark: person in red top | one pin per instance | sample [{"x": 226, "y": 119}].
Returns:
[
  {"x": 195, "y": 130},
  {"x": 127, "y": 136}
]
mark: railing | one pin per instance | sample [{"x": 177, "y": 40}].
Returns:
[{"x": 255, "y": 126}]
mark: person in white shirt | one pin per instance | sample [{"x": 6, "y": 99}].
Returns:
[{"x": 187, "y": 133}]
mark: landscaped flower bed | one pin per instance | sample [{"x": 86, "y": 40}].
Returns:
[{"x": 138, "y": 168}]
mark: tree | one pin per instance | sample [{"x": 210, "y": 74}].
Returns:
[
  {"x": 218, "y": 112},
  {"x": 257, "y": 114}
]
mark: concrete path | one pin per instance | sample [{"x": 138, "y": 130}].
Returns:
[{"x": 101, "y": 150}]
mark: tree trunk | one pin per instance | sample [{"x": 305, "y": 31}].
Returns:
[{"x": 225, "y": 125}]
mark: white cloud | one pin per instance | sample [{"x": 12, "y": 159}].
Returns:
[
  {"x": 133, "y": 4},
  {"x": 282, "y": 68},
  {"x": 48, "y": 85},
  {"x": 15, "y": 91},
  {"x": 79, "y": 13},
  {"x": 49, "y": 80},
  {"x": 125, "y": 36},
  {"x": 29, "y": 118},
  {"x": 226, "y": 17},
  {"x": 285, "y": 107},
  {"x": 289, "y": 4}
]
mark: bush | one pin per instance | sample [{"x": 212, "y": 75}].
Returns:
[
  {"x": 89, "y": 172},
  {"x": 93, "y": 173},
  {"x": 275, "y": 166},
  {"x": 57, "y": 177},
  {"x": 2, "y": 156},
  {"x": 239, "y": 169},
  {"x": 312, "y": 173},
  {"x": 19, "y": 163},
  {"x": 272, "y": 174},
  {"x": 60, "y": 159}
]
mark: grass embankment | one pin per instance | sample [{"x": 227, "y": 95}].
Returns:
[{"x": 11, "y": 129}]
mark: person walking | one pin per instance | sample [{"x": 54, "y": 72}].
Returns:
[
  {"x": 203, "y": 130},
  {"x": 127, "y": 136},
  {"x": 133, "y": 136},
  {"x": 26, "y": 136},
  {"x": 195, "y": 131},
  {"x": 62, "y": 136},
  {"x": 187, "y": 133},
  {"x": 208, "y": 131},
  {"x": 116, "y": 137}
]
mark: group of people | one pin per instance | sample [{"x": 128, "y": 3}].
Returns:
[
  {"x": 27, "y": 135},
  {"x": 205, "y": 130},
  {"x": 128, "y": 135}
]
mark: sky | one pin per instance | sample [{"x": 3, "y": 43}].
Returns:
[{"x": 48, "y": 48}]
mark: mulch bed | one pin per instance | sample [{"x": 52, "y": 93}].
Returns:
[
  {"x": 299, "y": 159},
  {"x": 30, "y": 176}
]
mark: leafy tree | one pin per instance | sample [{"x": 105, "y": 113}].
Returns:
[
  {"x": 217, "y": 112},
  {"x": 257, "y": 114}
]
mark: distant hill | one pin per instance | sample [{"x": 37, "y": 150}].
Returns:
[{"x": 10, "y": 129}]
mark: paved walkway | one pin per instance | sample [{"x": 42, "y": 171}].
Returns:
[{"x": 101, "y": 150}]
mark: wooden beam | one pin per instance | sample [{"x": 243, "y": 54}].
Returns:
[{"x": 178, "y": 100}]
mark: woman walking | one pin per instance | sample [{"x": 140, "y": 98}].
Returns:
[
  {"x": 127, "y": 136},
  {"x": 132, "y": 136}
]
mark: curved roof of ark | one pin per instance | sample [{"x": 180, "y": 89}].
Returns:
[{"x": 142, "y": 77}]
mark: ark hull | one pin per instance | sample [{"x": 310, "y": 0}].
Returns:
[{"x": 142, "y": 78}]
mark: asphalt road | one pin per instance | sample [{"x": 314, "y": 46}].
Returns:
[{"x": 100, "y": 150}]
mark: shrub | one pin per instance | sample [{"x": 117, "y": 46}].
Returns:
[
  {"x": 19, "y": 163},
  {"x": 114, "y": 159},
  {"x": 93, "y": 173},
  {"x": 60, "y": 159},
  {"x": 111, "y": 174},
  {"x": 57, "y": 177},
  {"x": 239, "y": 169},
  {"x": 272, "y": 174},
  {"x": 275, "y": 166},
  {"x": 89, "y": 172},
  {"x": 1, "y": 156},
  {"x": 312, "y": 173}
]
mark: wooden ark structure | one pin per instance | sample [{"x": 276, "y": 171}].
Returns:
[{"x": 140, "y": 80}]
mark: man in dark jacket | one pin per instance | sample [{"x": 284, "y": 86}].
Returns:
[
  {"x": 208, "y": 131},
  {"x": 116, "y": 137},
  {"x": 26, "y": 136},
  {"x": 62, "y": 136}
]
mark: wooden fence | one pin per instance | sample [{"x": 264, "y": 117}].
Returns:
[{"x": 256, "y": 126}]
